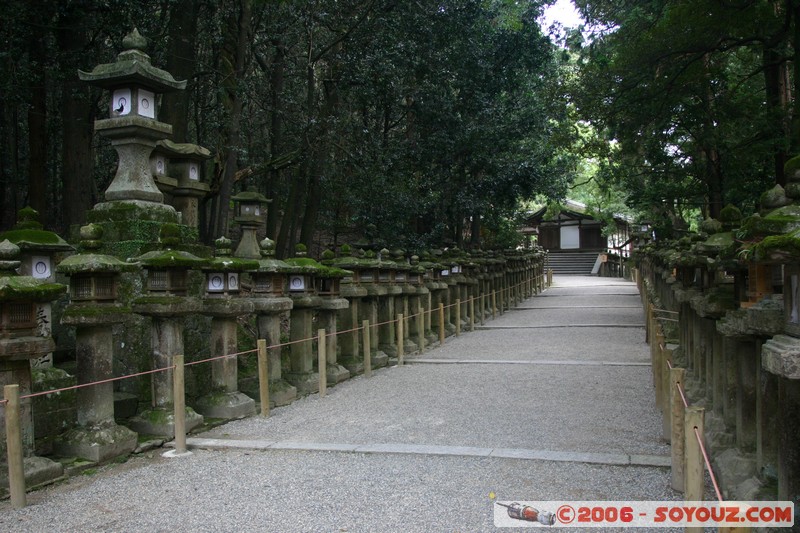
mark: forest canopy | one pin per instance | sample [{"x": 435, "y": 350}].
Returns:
[{"x": 414, "y": 124}]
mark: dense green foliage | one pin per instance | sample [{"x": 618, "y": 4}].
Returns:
[
  {"x": 408, "y": 123},
  {"x": 691, "y": 101}
]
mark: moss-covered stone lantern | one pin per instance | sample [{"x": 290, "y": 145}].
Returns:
[
  {"x": 133, "y": 127},
  {"x": 167, "y": 302},
  {"x": 351, "y": 354},
  {"x": 270, "y": 302},
  {"x": 250, "y": 208},
  {"x": 93, "y": 310},
  {"x": 21, "y": 340},
  {"x": 303, "y": 289},
  {"x": 437, "y": 287},
  {"x": 224, "y": 302},
  {"x": 177, "y": 170},
  {"x": 40, "y": 251}
]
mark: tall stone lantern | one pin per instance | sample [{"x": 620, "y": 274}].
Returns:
[
  {"x": 312, "y": 287},
  {"x": 177, "y": 169},
  {"x": 167, "y": 302},
  {"x": 21, "y": 340},
  {"x": 224, "y": 303},
  {"x": 92, "y": 311},
  {"x": 133, "y": 127},
  {"x": 270, "y": 301},
  {"x": 250, "y": 209}
]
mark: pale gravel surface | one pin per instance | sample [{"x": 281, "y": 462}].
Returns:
[{"x": 553, "y": 407}]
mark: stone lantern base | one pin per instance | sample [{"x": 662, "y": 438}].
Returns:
[
  {"x": 38, "y": 470},
  {"x": 304, "y": 382},
  {"x": 220, "y": 404},
  {"x": 161, "y": 422},
  {"x": 97, "y": 443}
]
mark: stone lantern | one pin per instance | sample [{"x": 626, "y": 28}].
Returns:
[
  {"x": 351, "y": 356},
  {"x": 434, "y": 282},
  {"x": 304, "y": 288},
  {"x": 22, "y": 339},
  {"x": 177, "y": 169},
  {"x": 40, "y": 251},
  {"x": 225, "y": 302},
  {"x": 249, "y": 211},
  {"x": 270, "y": 301},
  {"x": 167, "y": 301},
  {"x": 93, "y": 310},
  {"x": 403, "y": 300},
  {"x": 133, "y": 127}
]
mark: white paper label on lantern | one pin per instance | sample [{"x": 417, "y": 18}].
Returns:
[
  {"x": 297, "y": 283},
  {"x": 147, "y": 104},
  {"x": 233, "y": 282},
  {"x": 445, "y": 272},
  {"x": 194, "y": 174},
  {"x": 160, "y": 165},
  {"x": 258, "y": 211},
  {"x": 216, "y": 282},
  {"x": 40, "y": 267},
  {"x": 121, "y": 102}
]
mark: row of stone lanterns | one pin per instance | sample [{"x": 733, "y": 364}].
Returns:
[{"x": 735, "y": 289}]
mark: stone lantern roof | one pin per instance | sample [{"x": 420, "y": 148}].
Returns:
[
  {"x": 224, "y": 262},
  {"x": 29, "y": 235},
  {"x": 14, "y": 288},
  {"x": 90, "y": 262},
  {"x": 132, "y": 67}
]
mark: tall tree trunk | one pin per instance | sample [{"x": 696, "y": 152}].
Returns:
[
  {"x": 776, "y": 87},
  {"x": 276, "y": 80},
  {"x": 232, "y": 63},
  {"x": 37, "y": 118},
  {"x": 181, "y": 63},
  {"x": 77, "y": 107}
]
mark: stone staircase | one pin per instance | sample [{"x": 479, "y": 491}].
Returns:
[{"x": 580, "y": 263}]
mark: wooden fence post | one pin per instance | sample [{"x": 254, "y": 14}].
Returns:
[
  {"x": 400, "y": 339},
  {"x": 367, "y": 350},
  {"x": 458, "y": 317},
  {"x": 421, "y": 329},
  {"x": 677, "y": 439},
  {"x": 322, "y": 363},
  {"x": 441, "y": 324},
  {"x": 694, "y": 482},
  {"x": 179, "y": 401},
  {"x": 16, "y": 468},
  {"x": 263, "y": 376},
  {"x": 494, "y": 305},
  {"x": 472, "y": 314}
]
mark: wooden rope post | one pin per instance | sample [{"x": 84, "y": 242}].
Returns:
[
  {"x": 400, "y": 339},
  {"x": 16, "y": 469},
  {"x": 483, "y": 307},
  {"x": 322, "y": 363},
  {"x": 676, "y": 376},
  {"x": 666, "y": 399},
  {"x": 549, "y": 277},
  {"x": 263, "y": 376},
  {"x": 179, "y": 401},
  {"x": 367, "y": 350},
  {"x": 658, "y": 366},
  {"x": 421, "y": 329},
  {"x": 494, "y": 305},
  {"x": 472, "y": 314},
  {"x": 458, "y": 317},
  {"x": 441, "y": 324},
  {"x": 693, "y": 463}
]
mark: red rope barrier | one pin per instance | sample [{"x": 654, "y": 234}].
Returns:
[
  {"x": 708, "y": 465},
  {"x": 109, "y": 380},
  {"x": 683, "y": 396}
]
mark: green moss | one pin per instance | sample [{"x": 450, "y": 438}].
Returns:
[
  {"x": 170, "y": 258},
  {"x": 791, "y": 166},
  {"x": 781, "y": 247},
  {"x": 24, "y": 288},
  {"x": 310, "y": 266},
  {"x": 83, "y": 263},
  {"x": 89, "y": 311},
  {"x": 33, "y": 236}
]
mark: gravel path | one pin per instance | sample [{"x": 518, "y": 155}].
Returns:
[{"x": 552, "y": 398}]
